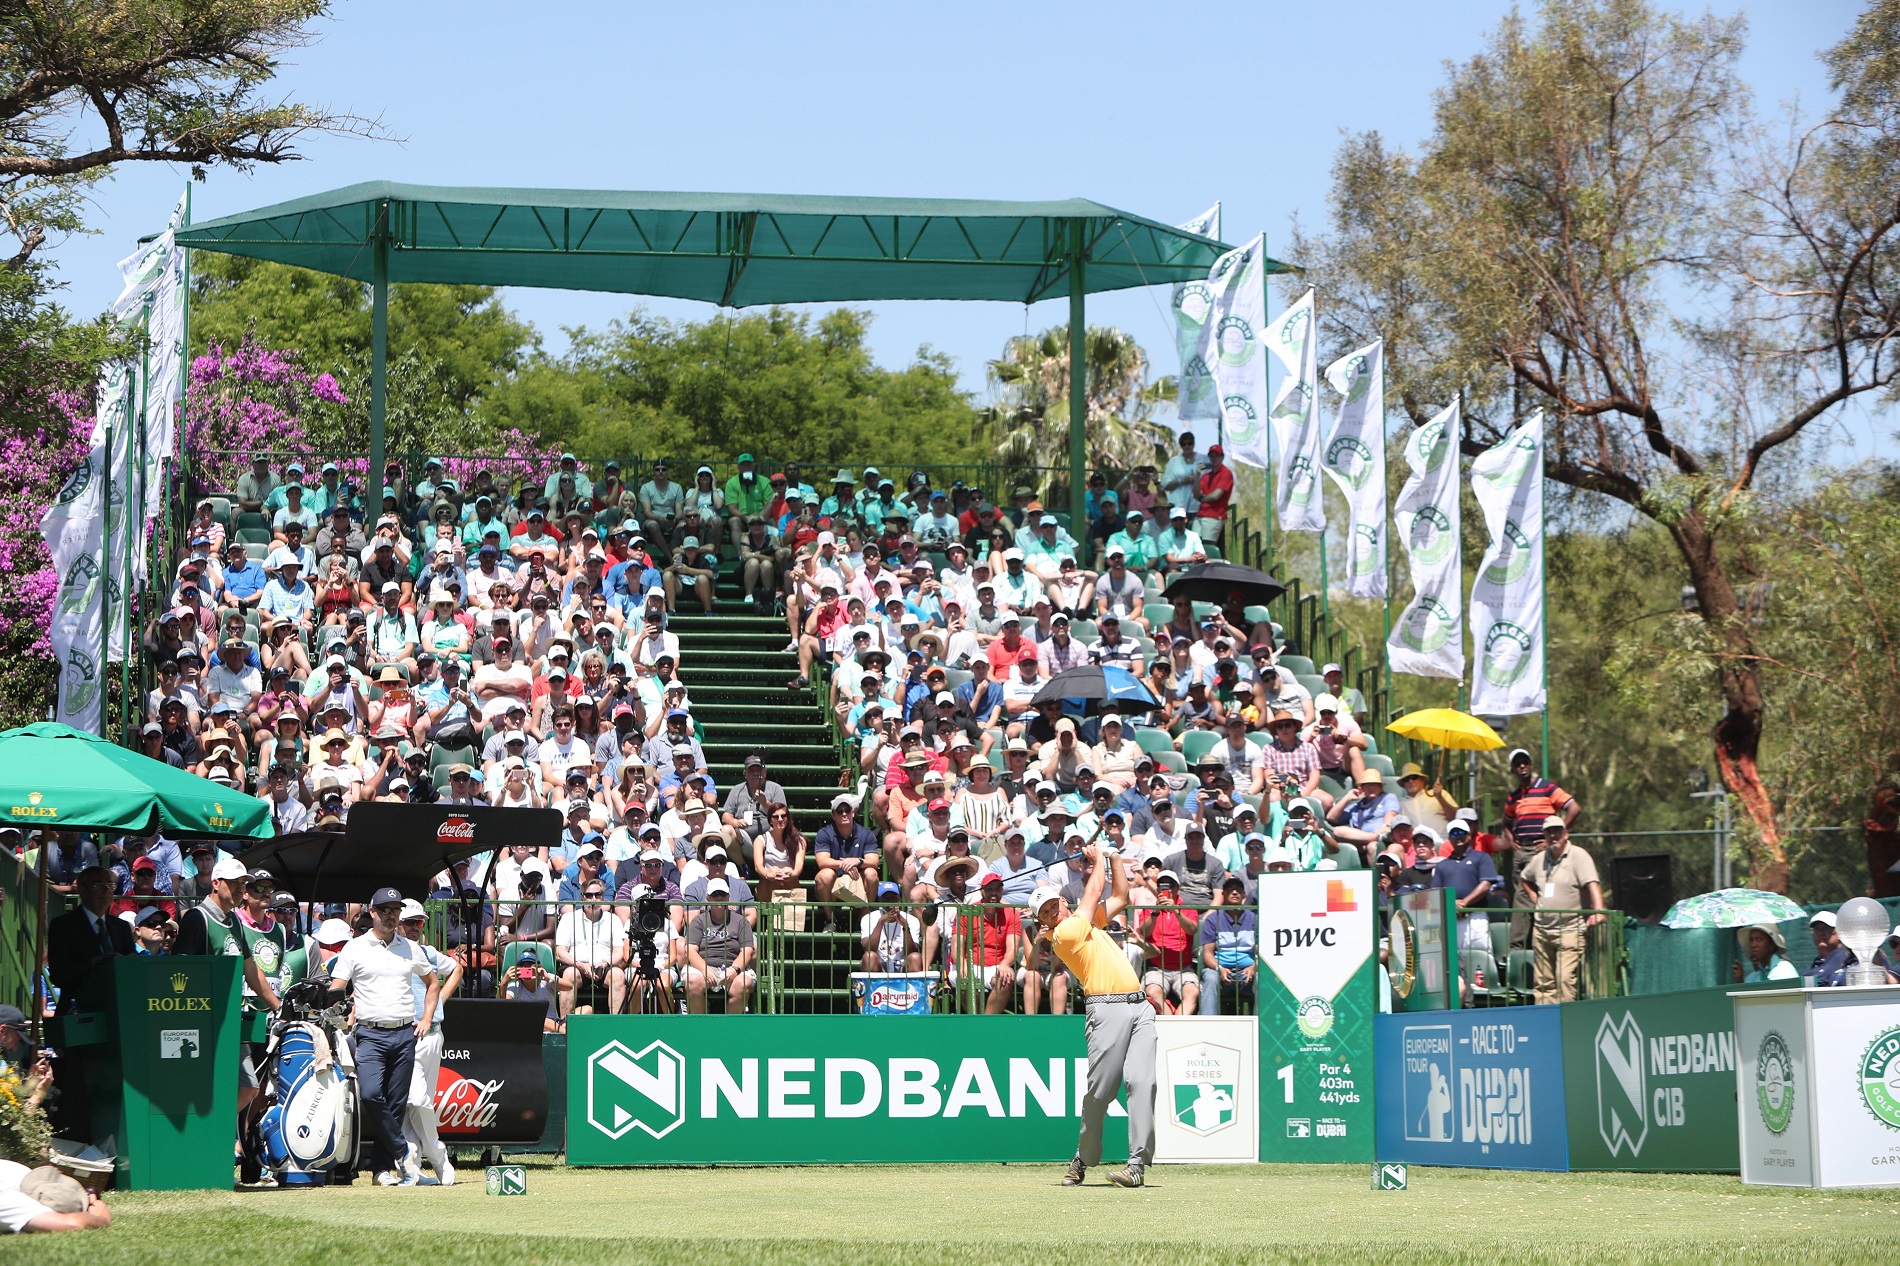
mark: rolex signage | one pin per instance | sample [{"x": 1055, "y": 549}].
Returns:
[
  {"x": 1650, "y": 1082},
  {"x": 1207, "y": 1090}
]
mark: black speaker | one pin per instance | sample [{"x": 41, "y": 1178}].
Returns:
[{"x": 1642, "y": 885}]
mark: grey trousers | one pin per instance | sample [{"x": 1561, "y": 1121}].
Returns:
[{"x": 1121, "y": 1040}]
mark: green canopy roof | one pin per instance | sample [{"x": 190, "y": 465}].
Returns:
[
  {"x": 54, "y": 777},
  {"x": 725, "y": 248}
]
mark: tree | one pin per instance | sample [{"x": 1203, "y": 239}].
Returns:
[
  {"x": 1030, "y": 421},
  {"x": 778, "y": 383},
  {"x": 464, "y": 332},
  {"x": 1596, "y": 226},
  {"x": 175, "y": 81}
]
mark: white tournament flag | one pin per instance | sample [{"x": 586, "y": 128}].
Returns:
[
  {"x": 1294, "y": 341},
  {"x": 1230, "y": 344},
  {"x": 1355, "y": 460},
  {"x": 1428, "y": 638},
  {"x": 1507, "y": 598},
  {"x": 1196, "y": 398}
]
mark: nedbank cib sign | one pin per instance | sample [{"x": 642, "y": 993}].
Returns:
[{"x": 781, "y": 1090}]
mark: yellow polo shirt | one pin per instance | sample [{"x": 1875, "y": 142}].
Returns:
[{"x": 1091, "y": 953}]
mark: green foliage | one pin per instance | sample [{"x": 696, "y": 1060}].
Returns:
[
  {"x": 778, "y": 383},
  {"x": 463, "y": 334},
  {"x": 87, "y": 84},
  {"x": 1029, "y": 424}
]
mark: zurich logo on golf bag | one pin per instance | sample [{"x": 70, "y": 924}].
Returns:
[{"x": 310, "y": 1127}]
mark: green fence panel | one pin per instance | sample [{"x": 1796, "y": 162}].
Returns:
[{"x": 1649, "y": 1083}]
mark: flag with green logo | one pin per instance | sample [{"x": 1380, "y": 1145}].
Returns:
[
  {"x": 1297, "y": 432},
  {"x": 1428, "y": 637},
  {"x": 1355, "y": 461},
  {"x": 1230, "y": 347},
  {"x": 1196, "y": 399},
  {"x": 1507, "y": 598}
]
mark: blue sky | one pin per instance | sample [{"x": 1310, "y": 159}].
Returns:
[{"x": 1136, "y": 106}]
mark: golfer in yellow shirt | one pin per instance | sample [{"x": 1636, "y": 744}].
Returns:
[{"x": 1120, "y": 1023}]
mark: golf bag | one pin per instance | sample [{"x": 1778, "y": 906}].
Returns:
[{"x": 310, "y": 1127}]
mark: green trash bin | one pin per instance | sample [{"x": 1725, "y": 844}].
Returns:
[{"x": 161, "y": 1070}]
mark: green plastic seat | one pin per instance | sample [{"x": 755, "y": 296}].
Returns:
[
  {"x": 1196, "y": 744},
  {"x": 1299, "y": 666},
  {"x": 1381, "y": 763},
  {"x": 1171, "y": 761},
  {"x": 1153, "y": 741}
]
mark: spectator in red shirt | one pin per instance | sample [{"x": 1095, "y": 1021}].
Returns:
[
  {"x": 1172, "y": 983},
  {"x": 144, "y": 891},
  {"x": 1215, "y": 490},
  {"x": 987, "y": 944},
  {"x": 1009, "y": 649},
  {"x": 821, "y": 626}
]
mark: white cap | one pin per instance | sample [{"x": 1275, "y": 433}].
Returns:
[
  {"x": 230, "y": 868},
  {"x": 719, "y": 886},
  {"x": 1043, "y": 895},
  {"x": 718, "y": 852},
  {"x": 1330, "y": 668},
  {"x": 1280, "y": 854},
  {"x": 1325, "y": 863},
  {"x": 333, "y": 932},
  {"x": 1825, "y": 917},
  {"x": 412, "y": 909}
]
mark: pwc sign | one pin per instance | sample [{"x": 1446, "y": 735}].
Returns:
[{"x": 1315, "y": 929}]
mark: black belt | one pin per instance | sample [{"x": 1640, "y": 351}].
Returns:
[{"x": 1136, "y": 996}]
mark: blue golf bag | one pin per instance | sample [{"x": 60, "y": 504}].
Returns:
[{"x": 310, "y": 1126}]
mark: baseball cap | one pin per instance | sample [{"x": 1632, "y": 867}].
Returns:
[
  {"x": 887, "y": 888},
  {"x": 385, "y": 897},
  {"x": 1517, "y": 754},
  {"x": 1170, "y": 878},
  {"x": 412, "y": 909},
  {"x": 230, "y": 868},
  {"x": 1823, "y": 917},
  {"x": 1043, "y": 895},
  {"x": 333, "y": 932},
  {"x": 719, "y": 886},
  {"x": 1555, "y": 822}
]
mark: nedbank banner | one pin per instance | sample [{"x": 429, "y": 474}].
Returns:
[
  {"x": 1317, "y": 983},
  {"x": 1650, "y": 1082},
  {"x": 792, "y": 1090}
]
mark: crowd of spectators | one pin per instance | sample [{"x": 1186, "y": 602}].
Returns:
[{"x": 510, "y": 645}]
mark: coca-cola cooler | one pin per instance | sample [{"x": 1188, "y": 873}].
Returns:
[{"x": 493, "y": 1087}]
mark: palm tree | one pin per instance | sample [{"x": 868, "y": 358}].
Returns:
[{"x": 1030, "y": 418}]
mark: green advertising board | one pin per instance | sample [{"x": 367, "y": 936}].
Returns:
[
  {"x": 1317, "y": 994},
  {"x": 1649, "y": 1082},
  {"x": 1423, "y": 951},
  {"x": 791, "y": 1090}
]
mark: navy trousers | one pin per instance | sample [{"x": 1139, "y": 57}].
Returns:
[{"x": 385, "y": 1059}]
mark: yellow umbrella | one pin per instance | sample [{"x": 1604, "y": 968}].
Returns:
[{"x": 1447, "y": 727}]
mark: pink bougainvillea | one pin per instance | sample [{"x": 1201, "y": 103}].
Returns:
[{"x": 33, "y": 467}]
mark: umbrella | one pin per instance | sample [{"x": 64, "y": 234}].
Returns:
[
  {"x": 1447, "y": 727},
  {"x": 1229, "y": 584},
  {"x": 54, "y": 777},
  {"x": 1732, "y": 908},
  {"x": 1099, "y": 688}
]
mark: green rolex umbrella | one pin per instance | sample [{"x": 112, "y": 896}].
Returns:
[{"x": 53, "y": 777}]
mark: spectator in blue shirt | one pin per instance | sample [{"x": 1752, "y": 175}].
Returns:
[
  {"x": 244, "y": 580},
  {"x": 1366, "y": 812},
  {"x": 1472, "y": 878},
  {"x": 288, "y": 596},
  {"x": 1229, "y": 934},
  {"x": 980, "y": 697},
  {"x": 1831, "y": 958}
]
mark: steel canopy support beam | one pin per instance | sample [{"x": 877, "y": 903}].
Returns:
[
  {"x": 378, "y": 362},
  {"x": 1078, "y": 383}
]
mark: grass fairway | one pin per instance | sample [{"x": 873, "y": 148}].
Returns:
[{"x": 993, "y": 1213}]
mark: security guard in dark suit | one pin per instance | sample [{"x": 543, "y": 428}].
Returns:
[{"x": 81, "y": 941}]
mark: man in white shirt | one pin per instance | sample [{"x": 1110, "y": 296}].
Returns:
[
  {"x": 41, "y": 1200},
  {"x": 1182, "y": 476},
  {"x": 380, "y": 964},
  {"x": 592, "y": 950},
  {"x": 419, "y": 1121}
]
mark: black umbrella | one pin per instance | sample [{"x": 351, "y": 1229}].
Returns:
[
  {"x": 1224, "y": 583},
  {"x": 1099, "y": 688}
]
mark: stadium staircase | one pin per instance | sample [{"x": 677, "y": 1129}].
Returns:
[{"x": 735, "y": 667}]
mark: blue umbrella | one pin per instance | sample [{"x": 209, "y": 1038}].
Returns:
[{"x": 1099, "y": 688}]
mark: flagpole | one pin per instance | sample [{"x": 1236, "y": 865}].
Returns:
[
  {"x": 1543, "y": 604},
  {"x": 105, "y": 578}
]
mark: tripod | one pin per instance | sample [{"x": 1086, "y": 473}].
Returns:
[{"x": 651, "y": 988}]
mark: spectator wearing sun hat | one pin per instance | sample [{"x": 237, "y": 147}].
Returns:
[{"x": 1763, "y": 949}]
